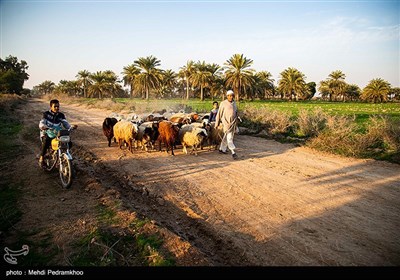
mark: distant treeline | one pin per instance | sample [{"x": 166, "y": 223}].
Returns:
[{"x": 144, "y": 78}]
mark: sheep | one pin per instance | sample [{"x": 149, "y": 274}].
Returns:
[
  {"x": 215, "y": 136},
  {"x": 205, "y": 116},
  {"x": 134, "y": 118},
  {"x": 142, "y": 137},
  {"x": 193, "y": 116},
  {"x": 125, "y": 131},
  {"x": 154, "y": 117},
  {"x": 168, "y": 135},
  {"x": 178, "y": 115},
  {"x": 191, "y": 136},
  {"x": 160, "y": 112},
  {"x": 108, "y": 125},
  {"x": 119, "y": 117},
  {"x": 168, "y": 115},
  {"x": 147, "y": 134},
  {"x": 207, "y": 126},
  {"x": 180, "y": 118}
]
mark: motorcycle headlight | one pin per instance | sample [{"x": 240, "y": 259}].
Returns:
[{"x": 64, "y": 139}]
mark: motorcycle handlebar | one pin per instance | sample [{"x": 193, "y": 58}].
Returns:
[{"x": 69, "y": 129}]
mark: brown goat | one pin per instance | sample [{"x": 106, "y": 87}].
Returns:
[
  {"x": 169, "y": 133},
  {"x": 180, "y": 120}
]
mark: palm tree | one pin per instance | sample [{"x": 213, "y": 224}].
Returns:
[
  {"x": 46, "y": 87},
  {"x": 377, "y": 90},
  {"x": 254, "y": 90},
  {"x": 185, "y": 73},
  {"x": 218, "y": 87},
  {"x": 292, "y": 83},
  {"x": 68, "y": 87},
  {"x": 311, "y": 90},
  {"x": 168, "y": 82},
  {"x": 83, "y": 79},
  {"x": 337, "y": 84},
  {"x": 395, "y": 93},
  {"x": 150, "y": 76},
  {"x": 353, "y": 92},
  {"x": 324, "y": 89},
  {"x": 238, "y": 74},
  {"x": 266, "y": 83},
  {"x": 217, "y": 82},
  {"x": 112, "y": 86},
  {"x": 201, "y": 77},
  {"x": 99, "y": 84},
  {"x": 130, "y": 72}
]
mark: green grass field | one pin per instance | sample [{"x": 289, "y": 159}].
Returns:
[{"x": 361, "y": 111}]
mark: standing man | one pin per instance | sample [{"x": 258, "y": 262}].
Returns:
[{"x": 228, "y": 115}]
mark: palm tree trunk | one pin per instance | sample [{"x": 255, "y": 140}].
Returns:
[
  {"x": 187, "y": 88},
  {"x": 237, "y": 96},
  {"x": 201, "y": 93},
  {"x": 147, "y": 93}
]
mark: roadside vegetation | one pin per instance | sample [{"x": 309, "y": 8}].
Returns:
[
  {"x": 120, "y": 239},
  {"x": 9, "y": 188}
]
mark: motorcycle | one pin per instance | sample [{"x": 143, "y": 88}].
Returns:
[{"x": 58, "y": 154}]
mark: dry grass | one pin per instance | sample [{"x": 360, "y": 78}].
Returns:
[
  {"x": 339, "y": 137},
  {"x": 381, "y": 139},
  {"x": 382, "y": 135},
  {"x": 273, "y": 121},
  {"x": 8, "y": 101},
  {"x": 311, "y": 123}
]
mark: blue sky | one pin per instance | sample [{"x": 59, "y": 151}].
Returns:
[{"x": 59, "y": 38}]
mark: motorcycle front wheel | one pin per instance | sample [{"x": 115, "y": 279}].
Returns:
[{"x": 66, "y": 172}]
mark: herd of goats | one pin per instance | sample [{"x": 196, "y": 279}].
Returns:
[{"x": 191, "y": 130}]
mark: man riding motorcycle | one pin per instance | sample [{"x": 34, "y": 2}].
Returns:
[{"x": 49, "y": 125}]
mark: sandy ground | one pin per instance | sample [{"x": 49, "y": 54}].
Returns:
[{"x": 277, "y": 205}]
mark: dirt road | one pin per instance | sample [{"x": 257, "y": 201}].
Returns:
[{"x": 277, "y": 205}]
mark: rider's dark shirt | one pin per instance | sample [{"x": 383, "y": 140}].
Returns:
[{"x": 51, "y": 119}]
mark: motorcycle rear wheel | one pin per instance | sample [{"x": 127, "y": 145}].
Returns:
[{"x": 66, "y": 171}]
